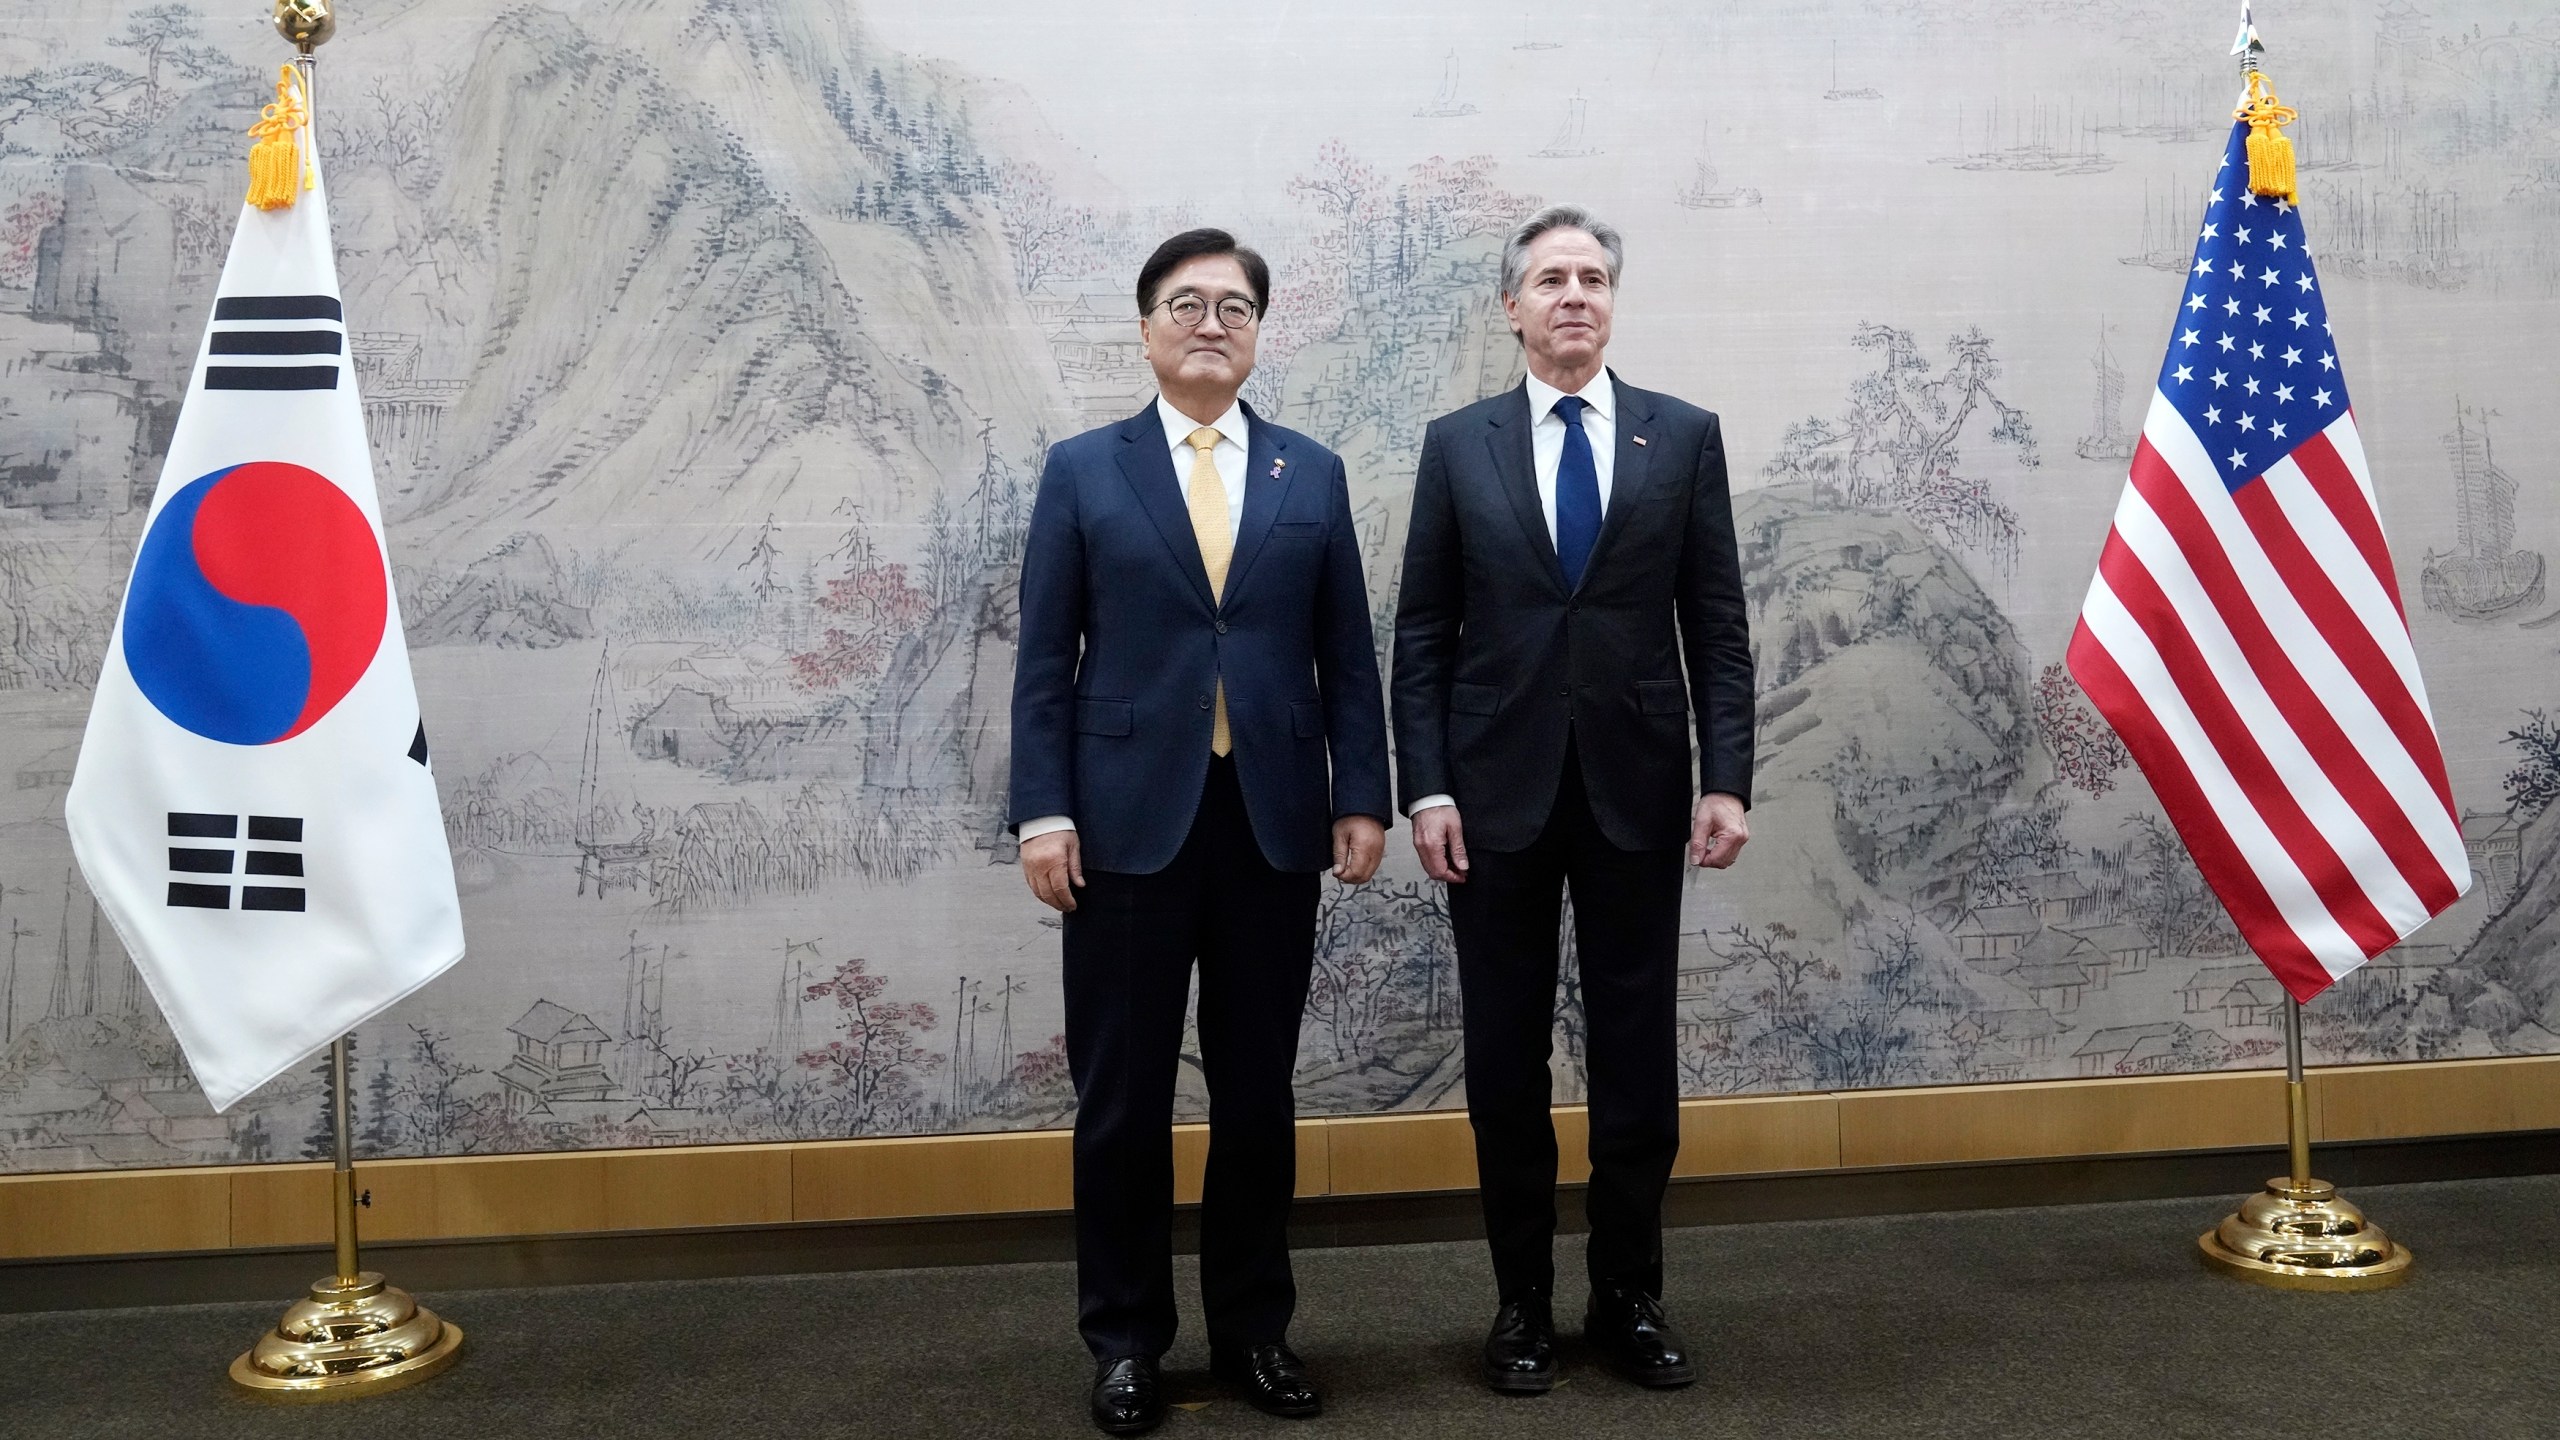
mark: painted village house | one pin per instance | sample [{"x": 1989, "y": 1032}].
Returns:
[{"x": 559, "y": 1057}]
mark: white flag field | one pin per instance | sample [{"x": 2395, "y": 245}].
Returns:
[{"x": 253, "y": 806}]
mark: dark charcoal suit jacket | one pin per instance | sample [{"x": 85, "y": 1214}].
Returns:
[
  {"x": 1495, "y": 656},
  {"x": 1122, "y": 647}
]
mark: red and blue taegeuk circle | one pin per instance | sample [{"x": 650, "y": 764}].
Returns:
[{"x": 257, "y": 603}]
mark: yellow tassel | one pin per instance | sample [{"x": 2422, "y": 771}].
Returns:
[
  {"x": 2270, "y": 153},
  {"x": 276, "y": 161}
]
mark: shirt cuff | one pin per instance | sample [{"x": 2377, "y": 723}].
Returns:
[
  {"x": 1428, "y": 802},
  {"x": 1045, "y": 825}
]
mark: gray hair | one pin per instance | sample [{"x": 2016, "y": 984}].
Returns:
[{"x": 1515, "y": 251}]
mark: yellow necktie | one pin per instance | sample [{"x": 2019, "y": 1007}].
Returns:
[{"x": 1208, "y": 500}]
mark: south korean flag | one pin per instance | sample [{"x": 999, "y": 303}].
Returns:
[{"x": 253, "y": 806}]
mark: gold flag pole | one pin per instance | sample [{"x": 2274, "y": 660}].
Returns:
[
  {"x": 354, "y": 1334},
  {"x": 2297, "y": 1233}
]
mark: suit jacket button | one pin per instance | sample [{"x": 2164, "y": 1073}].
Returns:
[
  {"x": 1204, "y": 702},
  {"x": 1566, "y": 692},
  {"x": 1222, "y": 627}
]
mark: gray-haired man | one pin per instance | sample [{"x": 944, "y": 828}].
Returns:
[{"x": 1571, "y": 596}]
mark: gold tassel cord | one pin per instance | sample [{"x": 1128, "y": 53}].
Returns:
[
  {"x": 2270, "y": 153},
  {"x": 276, "y": 161}
]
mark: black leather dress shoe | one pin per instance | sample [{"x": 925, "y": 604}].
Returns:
[
  {"x": 1520, "y": 1354},
  {"x": 1628, "y": 1329},
  {"x": 1128, "y": 1398},
  {"x": 1272, "y": 1377}
]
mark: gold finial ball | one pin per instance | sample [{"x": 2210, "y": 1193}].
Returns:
[{"x": 305, "y": 23}]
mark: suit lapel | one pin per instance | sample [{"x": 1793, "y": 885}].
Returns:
[
  {"x": 1147, "y": 463},
  {"x": 1515, "y": 465},
  {"x": 1264, "y": 489},
  {"x": 1629, "y": 471}
]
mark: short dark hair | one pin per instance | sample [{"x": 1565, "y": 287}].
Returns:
[{"x": 1191, "y": 245}]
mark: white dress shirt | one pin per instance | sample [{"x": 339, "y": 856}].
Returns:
[
  {"x": 1546, "y": 453},
  {"x": 1546, "y": 438},
  {"x": 1228, "y": 456}
]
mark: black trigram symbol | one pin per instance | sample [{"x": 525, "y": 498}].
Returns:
[
  {"x": 243, "y": 327},
  {"x": 202, "y": 859}
]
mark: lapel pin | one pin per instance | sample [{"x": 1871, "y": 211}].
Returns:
[
  {"x": 1277, "y": 466},
  {"x": 1637, "y": 438}
]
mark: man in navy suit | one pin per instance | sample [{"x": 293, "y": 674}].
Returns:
[
  {"x": 1572, "y": 595},
  {"x": 1198, "y": 733}
]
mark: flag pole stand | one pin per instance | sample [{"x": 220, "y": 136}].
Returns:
[
  {"x": 2298, "y": 1234},
  {"x": 353, "y": 1335}
]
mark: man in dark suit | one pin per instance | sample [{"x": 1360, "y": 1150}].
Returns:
[
  {"x": 1197, "y": 733},
  {"x": 1572, "y": 550}
]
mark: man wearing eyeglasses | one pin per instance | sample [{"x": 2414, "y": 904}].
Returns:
[{"x": 1198, "y": 732}]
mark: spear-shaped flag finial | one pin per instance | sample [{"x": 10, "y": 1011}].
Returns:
[{"x": 2246, "y": 44}]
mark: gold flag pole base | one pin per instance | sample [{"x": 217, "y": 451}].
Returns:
[
  {"x": 354, "y": 1335},
  {"x": 2299, "y": 1235},
  {"x": 346, "y": 1340}
]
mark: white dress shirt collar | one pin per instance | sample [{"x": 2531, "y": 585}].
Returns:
[
  {"x": 1178, "y": 428},
  {"x": 1601, "y": 393}
]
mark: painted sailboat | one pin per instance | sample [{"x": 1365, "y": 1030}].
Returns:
[
  {"x": 1705, "y": 193},
  {"x": 605, "y": 861},
  {"x": 1446, "y": 104},
  {"x": 2168, "y": 239},
  {"x": 1570, "y": 142},
  {"x": 2108, "y": 439},
  {"x": 2484, "y": 577},
  {"x": 1863, "y": 92}
]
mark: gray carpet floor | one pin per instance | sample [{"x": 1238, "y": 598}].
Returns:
[{"x": 2091, "y": 1320}]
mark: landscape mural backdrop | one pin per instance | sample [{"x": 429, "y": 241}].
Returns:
[{"x": 710, "y": 348}]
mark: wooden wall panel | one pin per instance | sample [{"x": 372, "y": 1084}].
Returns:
[
  {"x": 1315, "y": 1158},
  {"x": 670, "y": 1189},
  {"x": 288, "y": 1204},
  {"x": 1190, "y": 1163},
  {"x": 103, "y": 1212},
  {"x": 106, "y": 1212},
  {"x": 937, "y": 1175},
  {"x": 1758, "y": 1135},
  {"x": 2060, "y": 1117},
  {"x": 485, "y": 1195},
  {"x": 1388, "y": 1154},
  {"x": 2449, "y": 1097}
]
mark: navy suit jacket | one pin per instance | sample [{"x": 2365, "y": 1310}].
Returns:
[{"x": 1123, "y": 646}]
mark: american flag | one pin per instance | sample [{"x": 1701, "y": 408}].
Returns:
[{"x": 2244, "y": 633}]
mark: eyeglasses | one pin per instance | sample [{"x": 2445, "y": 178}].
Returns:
[{"x": 1187, "y": 310}]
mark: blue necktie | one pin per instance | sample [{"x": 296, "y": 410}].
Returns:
[{"x": 1577, "y": 494}]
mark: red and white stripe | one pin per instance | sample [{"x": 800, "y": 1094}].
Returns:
[{"x": 2251, "y": 649}]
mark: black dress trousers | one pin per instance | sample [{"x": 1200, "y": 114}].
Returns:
[
  {"x": 1507, "y": 916},
  {"x": 1130, "y": 943}
]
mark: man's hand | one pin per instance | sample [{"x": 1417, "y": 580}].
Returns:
[
  {"x": 1717, "y": 831},
  {"x": 1359, "y": 843},
  {"x": 1054, "y": 864},
  {"x": 1440, "y": 842}
]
